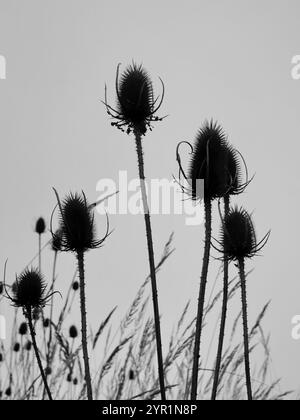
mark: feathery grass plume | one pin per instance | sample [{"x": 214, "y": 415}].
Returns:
[
  {"x": 238, "y": 242},
  {"x": 136, "y": 108},
  {"x": 40, "y": 228},
  {"x": 29, "y": 294},
  {"x": 78, "y": 235},
  {"x": 213, "y": 161}
]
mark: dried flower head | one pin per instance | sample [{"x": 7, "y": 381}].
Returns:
[
  {"x": 30, "y": 290},
  {"x": 40, "y": 226},
  {"x": 238, "y": 237},
  {"x": 75, "y": 285},
  {"x": 28, "y": 345},
  {"x": 73, "y": 331},
  {"x": 214, "y": 161},
  {"x": 136, "y": 106},
  {"x": 77, "y": 227},
  {"x": 23, "y": 328}
]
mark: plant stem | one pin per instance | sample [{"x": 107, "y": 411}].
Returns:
[
  {"x": 32, "y": 332},
  {"x": 139, "y": 150},
  {"x": 80, "y": 258},
  {"x": 223, "y": 315},
  {"x": 51, "y": 311},
  {"x": 245, "y": 327},
  {"x": 201, "y": 298},
  {"x": 40, "y": 252}
]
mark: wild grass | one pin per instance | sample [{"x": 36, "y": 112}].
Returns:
[{"x": 123, "y": 354}]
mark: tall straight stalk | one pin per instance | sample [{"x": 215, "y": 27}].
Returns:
[
  {"x": 40, "y": 252},
  {"x": 80, "y": 259},
  {"x": 245, "y": 327},
  {"x": 201, "y": 298},
  {"x": 139, "y": 149},
  {"x": 32, "y": 333},
  {"x": 223, "y": 315}
]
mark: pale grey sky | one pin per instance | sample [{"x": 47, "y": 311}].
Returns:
[{"x": 230, "y": 60}]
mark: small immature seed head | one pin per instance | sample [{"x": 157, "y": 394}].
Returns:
[
  {"x": 77, "y": 225},
  {"x": 28, "y": 346},
  {"x": 8, "y": 391},
  {"x": 23, "y": 328},
  {"x": 16, "y": 347},
  {"x": 238, "y": 236},
  {"x": 40, "y": 226},
  {"x": 29, "y": 291},
  {"x": 75, "y": 286},
  {"x": 46, "y": 323},
  {"x": 73, "y": 331}
]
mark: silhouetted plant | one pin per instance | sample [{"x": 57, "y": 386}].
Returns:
[
  {"x": 29, "y": 294},
  {"x": 136, "y": 108},
  {"x": 212, "y": 161},
  {"x": 238, "y": 242},
  {"x": 77, "y": 234}
]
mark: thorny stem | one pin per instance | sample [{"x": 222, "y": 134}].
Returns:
[
  {"x": 201, "y": 298},
  {"x": 245, "y": 327},
  {"x": 223, "y": 315},
  {"x": 80, "y": 258},
  {"x": 139, "y": 150},
  {"x": 32, "y": 332}
]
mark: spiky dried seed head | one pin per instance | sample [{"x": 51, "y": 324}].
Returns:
[
  {"x": 77, "y": 227},
  {"x": 23, "y": 328},
  {"x": 40, "y": 226},
  {"x": 73, "y": 331},
  {"x": 238, "y": 236},
  {"x": 136, "y": 106},
  {"x": 29, "y": 290},
  {"x": 214, "y": 161}
]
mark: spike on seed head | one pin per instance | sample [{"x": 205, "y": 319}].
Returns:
[
  {"x": 77, "y": 225},
  {"x": 135, "y": 100},
  {"x": 56, "y": 241},
  {"x": 40, "y": 226}
]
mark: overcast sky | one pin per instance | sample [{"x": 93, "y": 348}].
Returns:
[{"x": 230, "y": 60}]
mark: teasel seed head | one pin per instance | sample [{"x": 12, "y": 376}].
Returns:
[
  {"x": 77, "y": 225},
  {"x": 238, "y": 237},
  {"x": 23, "y": 328},
  {"x": 136, "y": 106},
  {"x": 214, "y": 161},
  {"x": 40, "y": 226},
  {"x": 46, "y": 322},
  {"x": 29, "y": 292},
  {"x": 8, "y": 391},
  {"x": 73, "y": 332}
]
